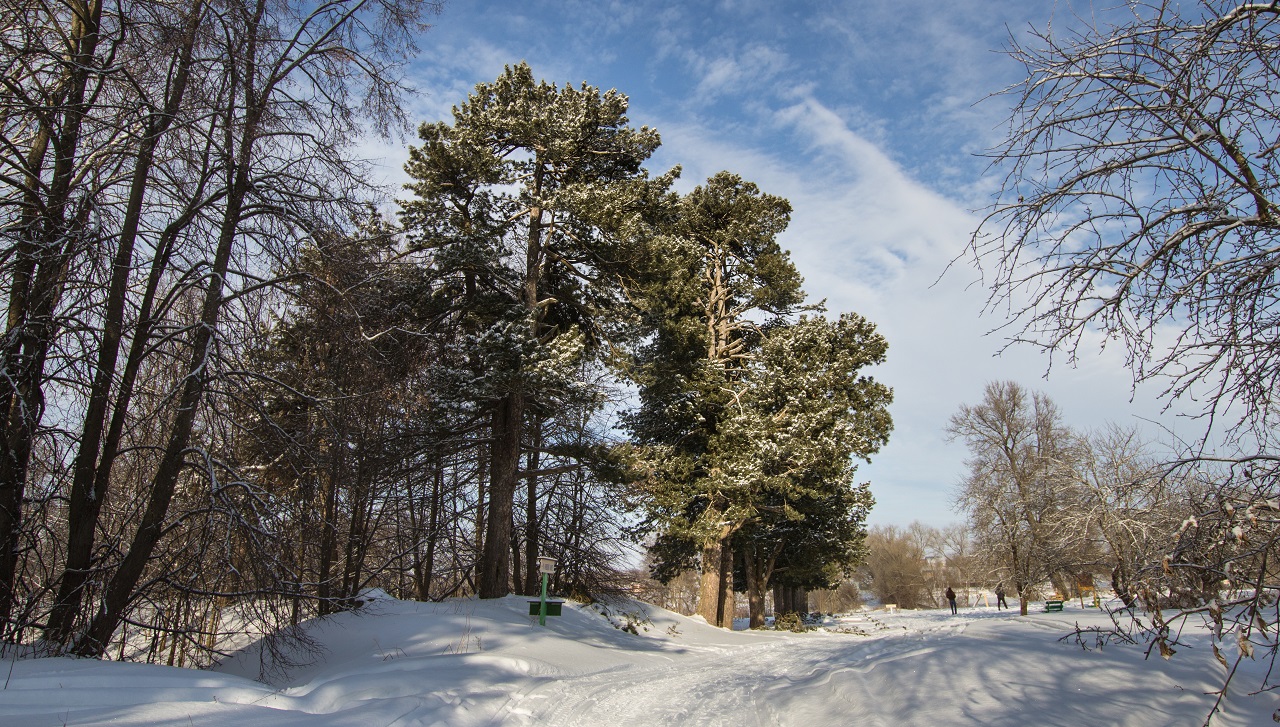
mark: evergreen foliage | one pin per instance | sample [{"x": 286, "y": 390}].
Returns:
[
  {"x": 532, "y": 201},
  {"x": 750, "y": 419}
]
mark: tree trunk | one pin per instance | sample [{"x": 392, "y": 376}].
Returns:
[
  {"x": 725, "y": 604},
  {"x": 1120, "y": 584},
  {"x": 329, "y": 527},
  {"x": 1062, "y": 585},
  {"x": 306, "y": 494},
  {"x": 87, "y": 490},
  {"x": 361, "y": 501},
  {"x": 425, "y": 567},
  {"x": 759, "y": 571},
  {"x": 709, "y": 586},
  {"x": 34, "y": 299},
  {"x": 495, "y": 566},
  {"x": 517, "y": 579},
  {"x": 755, "y": 589},
  {"x": 531, "y": 523},
  {"x": 119, "y": 592},
  {"x": 482, "y": 505}
]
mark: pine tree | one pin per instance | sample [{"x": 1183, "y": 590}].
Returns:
[
  {"x": 786, "y": 453},
  {"x": 530, "y": 199},
  {"x": 725, "y": 275}
]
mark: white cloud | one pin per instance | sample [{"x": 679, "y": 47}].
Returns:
[{"x": 744, "y": 71}]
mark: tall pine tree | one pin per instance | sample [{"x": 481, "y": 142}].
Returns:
[
  {"x": 726, "y": 278},
  {"x": 784, "y": 454},
  {"x": 529, "y": 199}
]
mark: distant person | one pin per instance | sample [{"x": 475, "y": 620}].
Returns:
[
  {"x": 1000, "y": 602},
  {"x": 951, "y": 596}
]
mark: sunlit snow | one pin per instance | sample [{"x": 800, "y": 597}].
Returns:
[{"x": 469, "y": 662}]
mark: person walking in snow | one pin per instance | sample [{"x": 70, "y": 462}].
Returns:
[
  {"x": 1000, "y": 597},
  {"x": 951, "y": 596}
]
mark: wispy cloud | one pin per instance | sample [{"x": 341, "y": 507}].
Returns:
[
  {"x": 746, "y": 71},
  {"x": 871, "y": 238}
]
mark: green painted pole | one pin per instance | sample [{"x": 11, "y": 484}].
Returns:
[{"x": 542, "y": 608}]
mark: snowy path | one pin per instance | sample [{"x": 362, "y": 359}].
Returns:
[
  {"x": 999, "y": 671},
  {"x": 758, "y": 685}
]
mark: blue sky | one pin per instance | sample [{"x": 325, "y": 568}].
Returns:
[{"x": 869, "y": 117}]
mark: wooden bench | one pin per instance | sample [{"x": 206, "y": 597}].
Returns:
[{"x": 1050, "y": 606}]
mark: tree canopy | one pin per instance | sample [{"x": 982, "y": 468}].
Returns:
[
  {"x": 236, "y": 392},
  {"x": 751, "y": 416}
]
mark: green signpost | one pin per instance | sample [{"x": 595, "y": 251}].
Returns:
[{"x": 546, "y": 566}]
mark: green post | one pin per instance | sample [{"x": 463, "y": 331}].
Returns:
[
  {"x": 546, "y": 566},
  {"x": 542, "y": 607}
]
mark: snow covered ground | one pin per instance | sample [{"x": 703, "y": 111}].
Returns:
[{"x": 468, "y": 662}]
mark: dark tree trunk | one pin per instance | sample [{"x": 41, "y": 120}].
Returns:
[
  {"x": 45, "y": 249},
  {"x": 424, "y": 564},
  {"x": 759, "y": 570},
  {"x": 508, "y": 430},
  {"x": 329, "y": 527},
  {"x": 790, "y": 599},
  {"x": 531, "y": 523},
  {"x": 1120, "y": 584},
  {"x": 357, "y": 538},
  {"x": 755, "y": 589},
  {"x": 87, "y": 490},
  {"x": 482, "y": 507},
  {"x": 119, "y": 591},
  {"x": 517, "y": 582},
  {"x": 12, "y": 476},
  {"x": 495, "y": 566}
]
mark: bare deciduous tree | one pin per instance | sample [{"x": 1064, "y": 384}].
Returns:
[
  {"x": 1119, "y": 494},
  {"x": 894, "y": 568},
  {"x": 1140, "y": 197},
  {"x": 1016, "y": 440},
  {"x": 1139, "y": 207},
  {"x": 156, "y": 157}
]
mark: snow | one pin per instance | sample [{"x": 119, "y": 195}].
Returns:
[{"x": 469, "y": 662}]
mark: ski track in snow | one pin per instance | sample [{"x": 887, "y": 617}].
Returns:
[{"x": 747, "y": 682}]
